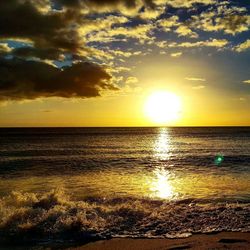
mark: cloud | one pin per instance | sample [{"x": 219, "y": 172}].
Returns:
[
  {"x": 101, "y": 23},
  {"x": 246, "y": 81},
  {"x": 153, "y": 8},
  {"x": 139, "y": 32},
  {"x": 176, "y": 54},
  {"x": 126, "y": 54},
  {"x": 21, "y": 79},
  {"x": 31, "y": 52},
  {"x": 43, "y": 6},
  {"x": 126, "y": 7},
  {"x": 218, "y": 43},
  {"x": 183, "y": 30},
  {"x": 131, "y": 80},
  {"x": 4, "y": 48},
  {"x": 242, "y": 99},
  {"x": 161, "y": 44},
  {"x": 79, "y": 32},
  {"x": 228, "y": 19},
  {"x": 188, "y": 3},
  {"x": 150, "y": 13},
  {"x": 195, "y": 79},
  {"x": 119, "y": 69},
  {"x": 243, "y": 46},
  {"x": 21, "y": 19},
  {"x": 167, "y": 23},
  {"x": 30, "y": 71},
  {"x": 198, "y": 87}
]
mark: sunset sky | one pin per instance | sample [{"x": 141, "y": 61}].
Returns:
[{"x": 98, "y": 62}]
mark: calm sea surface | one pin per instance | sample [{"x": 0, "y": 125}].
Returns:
[{"x": 108, "y": 182}]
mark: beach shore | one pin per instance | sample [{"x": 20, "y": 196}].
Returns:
[{"x": 224, "y": 240}]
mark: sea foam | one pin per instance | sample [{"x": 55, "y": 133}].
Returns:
[{"x": 30, "y": 217}]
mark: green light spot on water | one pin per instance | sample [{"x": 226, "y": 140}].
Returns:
[{"x": 219, "y": 159}]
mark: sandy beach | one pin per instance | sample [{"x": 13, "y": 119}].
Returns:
[{"x": 224, "y": 240}]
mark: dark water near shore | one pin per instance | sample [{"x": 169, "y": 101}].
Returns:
[{"x": 80, "y": 184}]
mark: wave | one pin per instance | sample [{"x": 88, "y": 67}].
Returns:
[{"x": 31, "y": 217}]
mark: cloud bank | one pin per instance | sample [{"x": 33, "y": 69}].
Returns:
[
  {"x": 21, "y": 79},
  {"x": 95, "y": 38}
]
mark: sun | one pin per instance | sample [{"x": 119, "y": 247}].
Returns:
[{"x": 163, "y": 107}]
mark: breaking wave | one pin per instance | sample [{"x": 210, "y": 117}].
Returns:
[{"x": 30, "y": 217}]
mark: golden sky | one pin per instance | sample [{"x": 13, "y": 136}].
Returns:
[{"x": 98, "y": 63}]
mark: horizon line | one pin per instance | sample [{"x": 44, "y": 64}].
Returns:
[{"x": 188, "y": 126}]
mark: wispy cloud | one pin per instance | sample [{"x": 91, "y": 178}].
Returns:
[
  {"x": 243, "y": 46},
  {"x": 195, "y": 79},
  {"x": 176, "y": 54},
  {"x": 131, "y": 80},
  {"x": 217, "y": 43},
  {"x": 242, "y": 99},
  {"x": 198, "y": 87}
]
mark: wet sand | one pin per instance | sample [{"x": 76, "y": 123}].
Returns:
[{"x": 224, "y": 240}]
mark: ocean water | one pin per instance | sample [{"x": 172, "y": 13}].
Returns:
[{"x": 82, "y": 184}]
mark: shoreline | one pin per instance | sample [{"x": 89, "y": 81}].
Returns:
[
  {"x": 222, "y": 240},
  {"x": 210, "y": 241}
]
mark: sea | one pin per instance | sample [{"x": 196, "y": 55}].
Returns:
[{"x": 76, "y": 185}]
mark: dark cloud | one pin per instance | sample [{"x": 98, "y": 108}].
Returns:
[
  {"x": 27, "y": 52},
  {"x": 22, "y": 79},
  {"x": 52, "y": 33},
  {"x": 126, "y": 3},
  {"x": 24, "y": 20},
  {"x": 104, "y": 3}
]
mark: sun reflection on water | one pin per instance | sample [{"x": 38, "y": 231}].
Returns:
[
  {"x": 159, "y": 179},
  {"x": 161, "y": 185},
  {"x": 162, "y": 145}
]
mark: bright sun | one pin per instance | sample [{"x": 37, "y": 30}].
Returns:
[{"x": 162, "y": 107}]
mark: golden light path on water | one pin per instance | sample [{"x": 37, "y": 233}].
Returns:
[
  {"x": 161, "y": 185},
  {"x": 167, "y": 183},
  {"x": 159, "y": 180}
]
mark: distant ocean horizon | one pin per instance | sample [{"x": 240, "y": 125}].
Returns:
[
  {"x": 153, "y": 126},
  {"x": 75, "y": 183}
]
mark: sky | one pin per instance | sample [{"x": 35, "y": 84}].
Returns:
[{"x": 97, "y": 62}]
